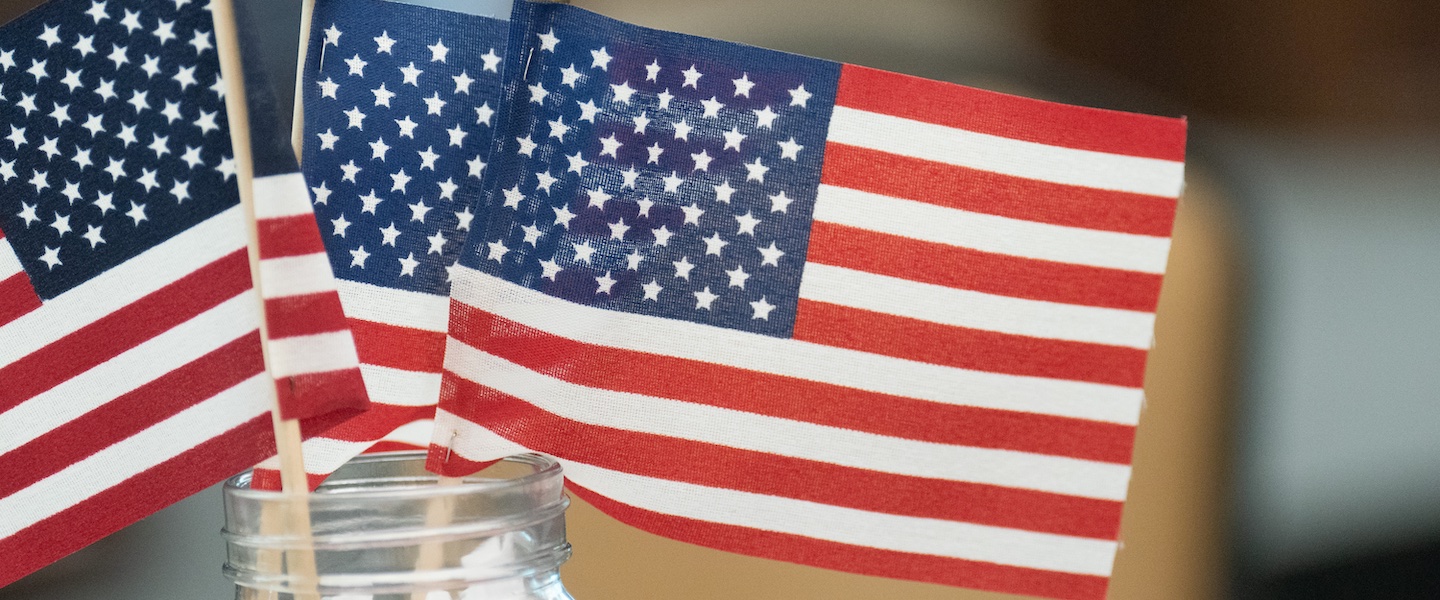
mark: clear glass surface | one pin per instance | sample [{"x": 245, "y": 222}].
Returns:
[{"x": 386, "y": 529}]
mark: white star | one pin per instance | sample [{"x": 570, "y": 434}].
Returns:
[
  {"x": 641, "y": 122},
  {"x": 92, "y": 235},
  {"x": 513, "y": 196},
  {"x": 407, "y": 127},
  {"x": 610, "y": 145},
  {"x": 7, "y": 170},
  {"x": 605, "y": 283},
  {"x": 629, "y": 176},
  {"x": 140, "y": 100},
  {"x": 463, "y": 81},
  {"x": 116, "y": 169},
  {"x": 218, "y": 87},
  {"x": 136, "y": 212},
  {"x": 378, "y": 149},
  {"x": 27, "y": 212},
  {"x": 497, "y": 250},
  {"x": 61, "y": 225},
  {"x": 588, "y": 111},
  {"x": 673, "y": 181},
  {"x": 723, "y": 192},
  {"x": 558, "y": 128},
  {"x": 418, "y": 211},
  {"x": 448, "y": 189},
  {"x": 399, "y": 181},
  {"x": 779, "y": 202},
  {"x": 492, "y": 61},
  {"x": 17, "y": 136},
  {"x": 321, "y": 193},
  {"x": 655, "y": 150},
  {"x": 27, "y": 102},
  {"x": 583, "y": 251},
  {"x": 357, "y": 118},
  {"x": 51, "y": 36},
  {"x": 82, "y": 158},
  {"x": 713, "y": 244},
  {"x": 662, "y": 236},
  {"x": 598, "y": 197},
  {"x": 351, "y": 170},
  {"x": 438, "y": 51},
  {"x": 765, "y": 118},
  {"x": 577, "y": 163},
  {"x": 411, "y": 75},
  {"x": 665, "y": 97},
  {"x": 483, "y": 113},
  {"x": 623, "y": 92},
  {"x": 201, "y": 41},
  {"x": 97, "y": 11},
  {"x": 645, "y": 204},
  {"x": 632, "y": 260},
  {"x": 192, "y": 157},
  {"x": 328, "y": 139},
  {"x": 389, "y": 234},
  {"x": 160, "y": 146},
  {"x": 743, "y": 85},
  {"x": 747, "y": 223},
  {"x": 457, "y": 135},
  {"x": 7, "y": 60},
  {"x": 538, "y": 93},
  {"x": 72, "y": 192},
  {"x": 548, "y": 40},
  {"x": 544, "y": 180},
  {"x": 338, "y": 225},
  {"x": 117, "y": 55},
  {"x": 733, "y": 139},
  {"x": 51, "y": 257},
  {"x": 527, "y": 145},
  {"x": 683, "y": 267},
  {"x": 433, "y": 104},
  {"x": 755, "y": 171},
  {"x": 383, "y": 44},
  {"x": 51, "y": 147},
  {"x": 702, "y": 160},
  {"x": 328, "y": 88},
  {"x": 549, "y": 269},
  {"x": 181, "y": 190},
  {"x": 358, "y": 257},
  {"x": 682, "y": 130},
  {"x": 600, "y": 59},
  {"x": 408, "y": 264},
  {"x": 463, "y": 219},
  {"x": 798, "y": 96},
  {"x": 738, "y": 277},
  {"x": 762, "y": 309},
  {"x": 172, "y": 112},
  {"x": 85, "y": 46},
  {"x": 131, "y": 21},
  {"x": 165, "y": 31},
  {"x": 332, "y": 36},
  {"x": 477, "y": 166},
  {"x": 72, "y": 80},
  {"x": 105, "y": 202},
  {"x": 712, "y": 107},
  {"x": 382, "y": 95},
  {"x": 693, "y": 214},
  {"x": 370, "y": 203},
  {"x": 61, "y": 114},
  {"x": 227, "y": 168},
  {"x": 532, "y": 235},
  {"x": 692, "y": 78},
  {"x": 703, "y": 299},
  {"x": 147, "y": 179},
  {"x": 563, "y": 216},
  {"x": 569, "y": 75},
  {"x": 790, "y": 149},
  {"x": 185, "y": 76},
  {"x": 771, "y": 255},
  {"x": 652, "y": 290},
  {"x": 151, "y": 67}
]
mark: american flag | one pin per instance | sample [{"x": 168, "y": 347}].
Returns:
[
  {"x": 811, "y": 311},
  {"x": 399, "y": 109},
  {"x": 131, "y": 372}
]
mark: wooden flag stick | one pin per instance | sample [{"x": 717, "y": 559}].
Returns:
[
  {"x": 297, "y": 124},
  {"x": 295, "y": 519}
]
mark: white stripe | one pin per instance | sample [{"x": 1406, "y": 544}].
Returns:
[
  {"x": 415, "y": 433},
  {"x": 296, "y": 275},
  {"x": 317, "y": 353},
  {"x": 986, "y": 152},
  {"x": 9, "y": 262},
  {"x": 131, "y": 456},
  {"x": 172, "y": 349},
  {"x": 127, "y": 282},
  {"x": 400, "y": 387},
  {"x": 281, "y": 196},
  {"x": 784, "y": 437},
  {"x": 790, "y": 358},
  {"x": 390, "y": 306},
  {"x": 990, "y": 233},
  {"x": 934, "y": 537},
  {"x": 965, "y": 308},
  {"x": 324, "y": 456}
]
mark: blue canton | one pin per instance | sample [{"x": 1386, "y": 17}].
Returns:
[
  {"x": 400, "y": 102},
  {"x": 650, "y": 172},
  {"x": 113, "y": 135}
]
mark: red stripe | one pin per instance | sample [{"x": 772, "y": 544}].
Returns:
[
  {"x": 717, "y": 466},
  {"x": 990, "y": 193},
  {"x": 1009, "y": 116},
  {"x": 378, "y": 422},
  {"x": 106, "y": 512},
  {"x": 336, "y": 395},
  {"x": 853, "y": 559},
  {"x": 961, "y": 347},
  {"x": 16, "y": 298},
  {"x": 124, "y": 329},
  {"x": 969, "y": 269},
  {"x": 296, "y": 235},
  {"x": 791, "y": 398},
  {"x": 306, "y": 314},
  {"x": 131, "y": 413},
  {"x": 392, "y": 446},
  {"x": 398, "y": 347}
]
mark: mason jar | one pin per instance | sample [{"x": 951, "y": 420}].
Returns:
[{"x": 383, "y": 528}]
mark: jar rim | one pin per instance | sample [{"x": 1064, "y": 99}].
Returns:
[{"x": 545, "y": 468}]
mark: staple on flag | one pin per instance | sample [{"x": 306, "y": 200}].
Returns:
[
  {"x": 811, "y": 311},
  {"x": 131, "y": 372}
]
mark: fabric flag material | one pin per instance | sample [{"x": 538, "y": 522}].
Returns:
[
  {"x": 811, "y": 311},
  {"x": 399, "y": 109},
  {"x": 131, "y": 372}
]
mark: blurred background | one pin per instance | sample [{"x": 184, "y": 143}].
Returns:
[{"x": 1290, "y": 445}]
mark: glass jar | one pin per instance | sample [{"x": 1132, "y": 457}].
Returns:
[{"x": 386, "y": 529}]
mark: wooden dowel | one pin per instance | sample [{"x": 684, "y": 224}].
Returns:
[
  {"x": 295, "y": 517},
  {"x": 297, "y": 124}
]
